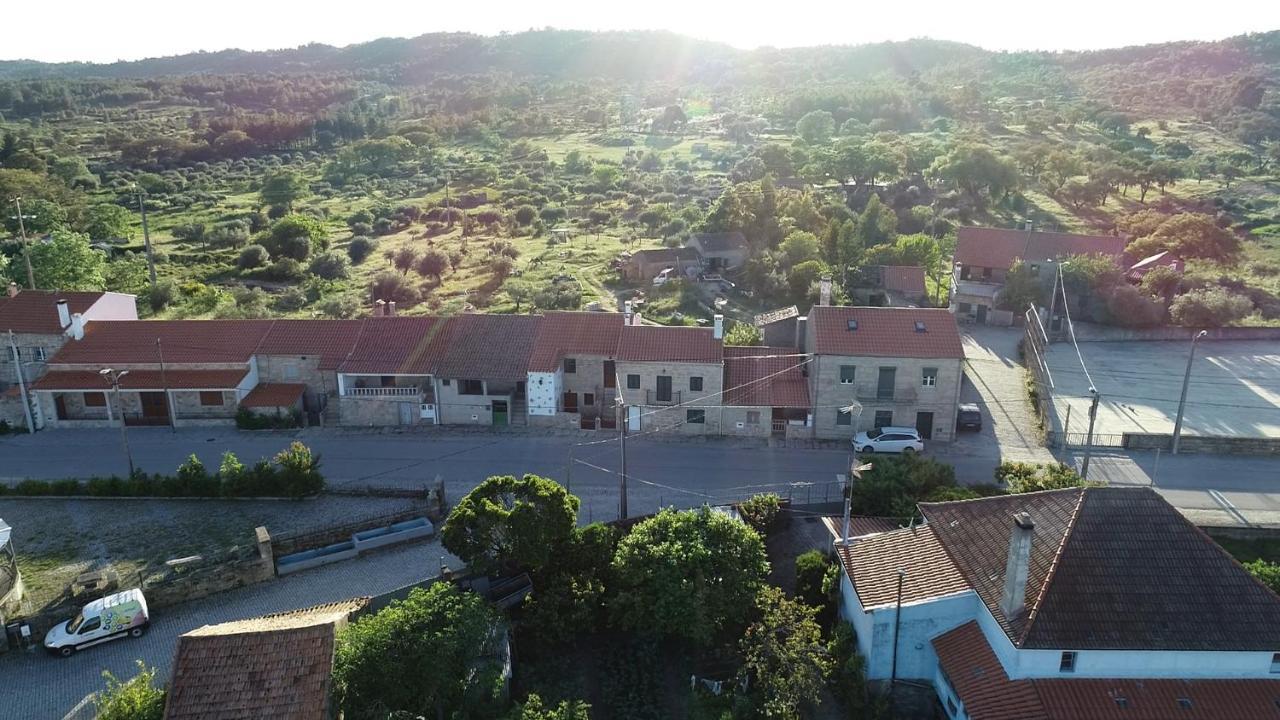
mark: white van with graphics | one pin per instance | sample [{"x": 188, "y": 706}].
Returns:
[{"x": 103, "y": 620}]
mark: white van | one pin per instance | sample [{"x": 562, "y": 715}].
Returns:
[{"x": 103, "y": 620}]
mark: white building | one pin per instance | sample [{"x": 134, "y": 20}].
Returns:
[{"x": 1071, "y": 603}]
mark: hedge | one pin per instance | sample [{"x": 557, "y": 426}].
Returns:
[{"x": 293, "y": 472}]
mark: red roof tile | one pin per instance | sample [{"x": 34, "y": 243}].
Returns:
[
  {"x": 36, "y": 311},
  {"x": 885, "y": 332},
  {"x": 902, "y": 278},
  {"x": 396, "y": 346},
  {"x": 860, "y": 525},
  {"x": 765, "y": 376},
  {"x": 564, "y": 334},
  {"x": 125, "y": 342},
  {"x": 657, "y": 343},
  {"x": 978, "y": 678},
  {"x": 872, "y": 565},
  {"x": 999, "y": 247},
  {"x": 332, "y": 340},
  {"x": 1146, "y": 699},
  {"x": 143, "y": 380},
  {"x": 488, "y": 347},
  {"x": 274, "y": 395}
]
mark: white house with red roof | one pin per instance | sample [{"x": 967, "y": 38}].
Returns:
[{"x": 1082, "y": 603}]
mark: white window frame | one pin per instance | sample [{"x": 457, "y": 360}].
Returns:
[{"x": 928, "y": 380}]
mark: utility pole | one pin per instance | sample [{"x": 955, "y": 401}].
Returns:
[
  {"x": 1053, "y": 303},
  {"x": 1088, "y": 443},
  {"x": 855, "y": 471},
  {"x": 622, "y": 444},
  {"x": 113, "y": 380},
  {"x": 22, "y": 383},
  {"x": 447, "y": 213},
  {"x": 146, "y": 236},
  {"x": 1182, "y": 401},
  {"x": 26, "y": 246}
]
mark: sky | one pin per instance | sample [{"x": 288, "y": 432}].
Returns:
[{"x": 96, "y": 31}]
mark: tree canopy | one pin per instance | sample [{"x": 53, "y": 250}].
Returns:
[{"x": 510, "y": 522}]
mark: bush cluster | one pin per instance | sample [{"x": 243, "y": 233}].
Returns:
[
  {"x": 293, "y": 472},
  {"x": 248, "y": 420}
]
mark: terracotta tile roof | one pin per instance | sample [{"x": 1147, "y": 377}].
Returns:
[
  {"x": 765, "y": 376},
  {"x": 721, "y": 242},
  {"x": 656, "y": 343},
  {"x": 274, "y": 395},
  {"x": 774, "y": 316},
  {"x": 276, "y": 666},
  {"x": 488, "y": 347},
  {"x": 396, "y": 345},
  {"x": 574, "y": 333},
  {"x": 872, "y": 565},
  {"x": 902, "y": 278},
  {"x": 999, "y": 247},
  {"x": 36, "y": 311},
  {"x": 1130, "y": 699},
  {"x": 978, "y": 678},
  {"x": 860, "y": 525},
  {"x": 124, "y": 342},
  {"x": 671, "y": 255},
  {"x": 885, "y": 332},
  {"x": 144, "y": 380},
  {"x": 1111, "y": 568},
  {"x": 332, "y": 340}
]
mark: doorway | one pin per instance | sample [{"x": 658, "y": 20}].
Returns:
[
  {"x": 499, "y": 409},
  {"x": 924, "y": 424},
  {"x": 982, "y": 314},
  {"x": 407, "y": 411},
  {"x": 154, "y": 405},
  {"x": 60, "y": 405},
  {"x": 664, "y": 388},
  {"x": 886, "y": 382}
]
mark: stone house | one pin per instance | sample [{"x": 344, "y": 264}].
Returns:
[
  {"x": 721, "y": 252},
  {"x": 573, "y": 374},
  {"x": 1100, "y": 602},
  {"x": 766, "y": 392},
  {"x": 387, "y": 375},
  {"x": 874, "y": 367},
  {"x": 671, "y": 378},
  {"x": 778, "y": 327},
  {"x": 644, "y": 265},
  {"x": 482, "y": 369}
]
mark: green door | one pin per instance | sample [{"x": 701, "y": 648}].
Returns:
[{"x": 499, "y": 412}]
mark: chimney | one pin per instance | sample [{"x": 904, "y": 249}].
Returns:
[
  {"x": 1018, "y": 565},
  {"x": 635, "y": 319},
  {"x": 718, "y": 327},
  {"x": 13, "y": 289},
  {"x": 391, "y": 308},
  {"x": 76, "y": 331},
  {"x": 379, "y": 308},
  {"x": 824, "y": 290},
  {"x": 802, "y": 324},
  {"x": 64, "y": 315},
  {"x": 626, "y": 313},
  {"x": 1028, "y": 226}
]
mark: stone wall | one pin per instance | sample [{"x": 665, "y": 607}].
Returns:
[
  {"x": 830, "y": 394},
  {"x": 233, "y": 571},
  {"x": 455, "y": 409},
  {"x": 374, "y": 411},
  {"x": 665, "y": 418},
  {"x": 27, "y": 343},
  {"x": 587, "y": 378},
  {"x": 1091, "y": 332},
  {"x": 187, "y": 406},
  {"x": 1211, "y": 444},
  {"x": 299, "y": 369},
  {"x": 732, "y": 416}
]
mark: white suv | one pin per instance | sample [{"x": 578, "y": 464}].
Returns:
[{"x": 903, "y": 440}]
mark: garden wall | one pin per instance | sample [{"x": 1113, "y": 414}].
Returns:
[
  {"x": 1092, "y": 332},
  {"x": 1211, "y": 444}
]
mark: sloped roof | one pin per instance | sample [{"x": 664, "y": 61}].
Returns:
[
  {"x": 885, "y": 332},
  {"x": 561, "y": 334},
  {"x": 36, "y": 311},
  {"x": 902, "y": 278},
  {"x": 658, "y": 343},
  {"x": 721, "y": 242},
  {"x": 656, "y": 255},
  {"x": 396, "y": 345},
  {"x": 332, "y": 340},
  {"x": 872, "y": 565},
  {"x": 977, "y": 676},
  {"x": 488, "y": 347},
  {"x": 1111, "y": 568},
  {"x": 143, "y": 380},
  {"x": 109, "y": 342},
  {"x": 274, "y": 395},
  {"x": 773, "y": 316},
  {"x": 275, "y": 666},
  {"x": 860, "y": 525},
  {"x": 999, "y": 247},
  {"x": 765, "y": 376}
]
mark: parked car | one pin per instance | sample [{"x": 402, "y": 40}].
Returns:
[
  {"x": 662, "y": 277},
  {"x": 123, "y": 614},
  {"x": 903, "y": 440},
  {"x": 969, "y": 417}
]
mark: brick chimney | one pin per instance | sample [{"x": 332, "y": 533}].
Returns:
[
  {"x": 13, "y": 289},
  {"x": 379, "y": 308},
  {"x": 717, "y": 324},
  {"x": 391, "y": 308},
  {"x": 64, "y": 315},
  {"x": 1017, "y": 566},
  {"x": 824, "y": 290},
  {"x": 1028, "y": 226}
]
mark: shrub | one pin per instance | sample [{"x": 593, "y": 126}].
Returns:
[
  {"x": 249, "y": 420},
  {"x": 388, "y": 285},
  {"x": 285, "y": 270},
  {"x": 299, "y": 470},
  {"x": 135, "y": 699},
  {"x": 342, "y": 306},
  {"x": 254, "y": 256},
  {"x": 811, "y": 573},
  {"x": 360, "y": 248},
  {"x": 362, "y": 228},
  {"x": 162, "y": 295},
  {"x": 1209, "y": 307},
  {"x": 331, "y": 265},
  {"x": 761, "y": 511},
  {"x": 291, "y": 299},
  {"x": 1267, "y": 572},
  {"x": 1021, "y": 477}
]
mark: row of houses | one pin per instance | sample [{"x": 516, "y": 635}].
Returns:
[
  {"x": 1098, "y": 602},
  {"x": 838, "y": 370}
]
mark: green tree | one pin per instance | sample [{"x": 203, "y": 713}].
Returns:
[
  {"x": 1267, "y": 572},
  {"x": 331, "y": 265},
  {"x": 108, "y": 222},
  {"x": 135, "y": 699},
  {"x": 816, "y": 127},
  {"x": 1209, "y": 307},
  {"x": 1021, "y": 288},
  {"x": 432, "y": 264},
  {"x": 798, "y": 247},
  {"x": 510, "y": 522},
  {"x": 741, "y": 333},
  {"x": 893, "y": 486},
  {"x": 39, "y": 217},
  {"x": 295, "y": 236},
  {"x": 427, "y": 655},
  {"x": 878, "y": 223},
  {"x": 282, "y": 189},
  {"x": 534, "y": 709},
  {"x": 687, "y": 575},
  {"x": 568, "y": 597},
  {"x": 783, "y": 656},
  {"x": 606, "y": 176},
  {"x": 1023, "y": 477},
  {"x": 67, "y": 262},
  {"x": 977, "y": 171},
  {"x": 1189, "y": 235},
  {"x": 74, "y": 172}
]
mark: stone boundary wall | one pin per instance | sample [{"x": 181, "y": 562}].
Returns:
[
  {"x": 1209, "y": 444},
  {"x": 1092, "y": 332}
]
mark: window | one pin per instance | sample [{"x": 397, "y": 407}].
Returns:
[
  {"x": 695, "y": 384},
  {"x": 210, "y": 397},
  {"x": 843, "y": 417},
  {"x": 986, "y": 273},
  {"x": 964, "y": 272},
  {"x": 633, "y": 382},
  {"x": 884, "y": 418},
  {"x": 853, "y": 325},
  {"x": 1275, "y": 663},
  {"x": 92, "y": 399},
  {"x": 290, "y": 372},
  {"x": 929, "y": 377},
  {"x": 588, "y": 399},
  {"x": 470, "y": 387},
  {"x": 90, "y": 626},
  {"x": 664, "y": 388},
  {"x": 570, "y": 402},
  {"x": 695, "y": 417},
  {"x": 965, "y": 308},
  {"x": 570, "y": 365},
  {"x": 1068, "y": 662},
  {"x": 846, "y": 374},
  {"x": 40, "y": 354},
  {"x": 1184, "y": 703},
  {"x": 753, "y": 417},
  {"x": 610, "y": 374},
  {"x": 920, "y": 326}
]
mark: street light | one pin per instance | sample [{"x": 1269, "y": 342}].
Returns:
[
  {"x": 1088, "y": 443},
  {"x": 112, "y": 379},
  {"x": 1182, "y": 401}
]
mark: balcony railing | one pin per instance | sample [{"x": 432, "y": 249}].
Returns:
[
  {"x": 384, "y": 391},
  {"x": 877, "y": 394},
  {"x": 651, "y": 398}
]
